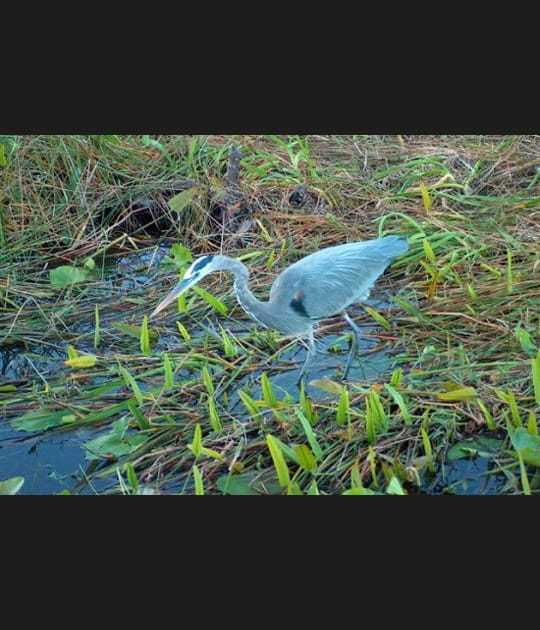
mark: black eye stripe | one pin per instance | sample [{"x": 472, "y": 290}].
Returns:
[{"x": 202, "y": 262}]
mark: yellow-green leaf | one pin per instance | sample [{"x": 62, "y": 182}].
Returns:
[
  {"x": 425, "y": 196},
  {"x": 279, "y": 461},
  {"x": 306, "y": 460},
  {"x": 463, "y": 393},
  {"x": 82, "y": 361}
]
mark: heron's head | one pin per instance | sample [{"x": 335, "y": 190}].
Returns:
[{"x": 194, "y": 273}]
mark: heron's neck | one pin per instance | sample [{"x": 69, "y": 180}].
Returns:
[{"x": 252, "y": 306}]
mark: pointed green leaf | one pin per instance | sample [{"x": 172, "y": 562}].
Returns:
[
  {"x": 269, "y": 397},
  {"x": 279, "y": 461},
  {"x": 213, "y": 301},
  {"x": 198, "y": 481},
  {"x": 11, "y": 486},
  {"x": 310, "y": 435},
  {"x": 305, "y": 458}
]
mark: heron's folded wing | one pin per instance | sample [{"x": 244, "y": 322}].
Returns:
[{"x": 326, "y": 282}]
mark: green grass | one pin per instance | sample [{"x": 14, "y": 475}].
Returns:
[{"x": 464, "y": 328}]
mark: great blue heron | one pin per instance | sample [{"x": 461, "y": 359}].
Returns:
[{"x": 318, "y": 286}]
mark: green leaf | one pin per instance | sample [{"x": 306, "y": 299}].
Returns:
[
  {"x": 134, "y": 331},
  {"x": 394, "y": 487},
  {"x": 305, "y": 457},
  {"x": 130, "y": 381},
  {"x": 310, "y": 435},
  {"x": 181, "y": 255},
  {"x": 342, "y": 412},
  {"x": 378, "y": 317},
  {"x": 481, "y": 447},
  {"x": 145, "y": 337},
  {"x": 131, "y": 476},
  {"x": 527, "y": 445},
  {"x": 39, "y": 420},
  {"x": 428, "y": 251},
  {"x": 8, "y": 388},
  {"x": 535, "y": 367},
  {"x": 207, "y": 380},
  {"x": 525, "y": 340},
  {"x": 81, "y": 361},
  {"x": 3, "y": 161},
  {"x": 425, "y": 196},
  {"x": 89, "y": 264},
  {"x": 248, "y": 483},
  {"x": 279, "y": 461},
  {"x": 367, "y": 491},
  {"x": 458, "y": 394},
  {"x": 215, "y": 421},
  {"x": 269, "y": 396},
  {"x": 249, "y": 404},
  {"x": 213, "y": 301},
  {"x": 327, "y": 385},
  {"x": 65, "y": 275},
  {"x": 196, "y": 444},
  {"x": 197, "y": 478},
  {"x": 11, "y": 486},
  {"x": 180, "y": 201},
  {"x": 400, "y": 401},
  {"x": 115, "y": 444}
]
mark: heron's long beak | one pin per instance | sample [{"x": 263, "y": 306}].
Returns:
[{"x": 182, "y": 286}]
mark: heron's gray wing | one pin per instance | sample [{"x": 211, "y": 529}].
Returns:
[{"x": 326, "y": 282}]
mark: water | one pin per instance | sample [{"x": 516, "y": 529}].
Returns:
[
  {"x": 54, "y": 461},
  {"x": 50, "y": 462}
]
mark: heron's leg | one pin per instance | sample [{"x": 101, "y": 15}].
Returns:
[
  {"x": 309, "y": 358},
  {"x": 355, "y": 345}
]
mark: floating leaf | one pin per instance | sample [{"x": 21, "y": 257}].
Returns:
[
  {"x": 327, "y": 385},
  {"x": 527, "y": 445},
  {"x": 115, "y": 444},
  {"x": 66, "y": 274},
  {"x": 236, "y": 484},
  {"x": 482, "y": 447},
  {"x": 11, "y": 486},
  {"x": 248, "y": 483},
  {"x": 39, "y": 420}
]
